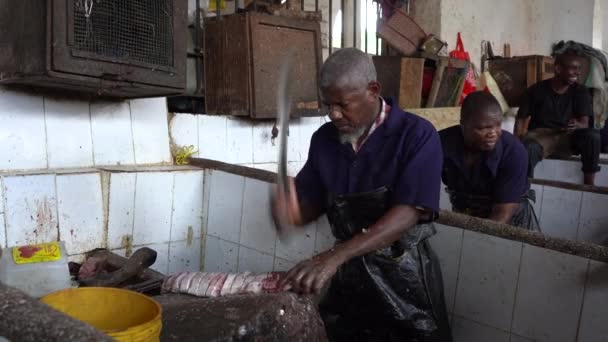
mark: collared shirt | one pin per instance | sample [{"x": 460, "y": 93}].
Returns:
[
  {"x": 384, "y": 112},
  {"x": 500, "y": 174},
  {"x": 403, "y": 154}
]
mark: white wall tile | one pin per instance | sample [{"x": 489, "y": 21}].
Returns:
[
  {"x": 78, "y": 258},
  {"x": 515, "y": 338},
  {"x": 184, "y": 131},
  {"x": 566, "y": 170},
  {"x": 68, "y": 128},
  {"x": 162, "y": 257},
  {"x": 2, "y": 221},
  {"x": 281, "y": 265},
  {"x": 254, "y": 261},
  {"x": 187, "y": 205},
  {"x": 31, "y": 209},
  {"x": 307, "y": 127},
  {"x": 560, "y": 212},
  {"x": 265, "y": 149},
  {"x": 593, "y": 326},
  {"x": 294, "y": 149},
  {"x": 22, "y": 131},
  {"x": 465, "y": 330},
  {"x": 549, "y": 295},
  {"x": 220, "y": 255},
  {"x": 212, "y": 137},
  {"x": 153, "y": 201},
  {"x": 594, "y": 219},
  {"x": 121, "y": 251},
  {"x": 294, "y": 167},
  {"x": 121, "y": 208},
  {"x": 539, "y": 200},
  {"x": 225, "y": 205},
  {"x": 487, "y": 279},
  {"x": 545, "y": 170},
  {"x": 185, "y": 256},
  {"x": 299, "y": 244},
  {"x": 324, "y": 239},
  {"x": 150, "y": 130},
  {"x": 447, "y": 244},
  {"x": 80, "y": 208},
  {"x": 112, "y": 135},
  {"x": 239, "y": 135},
  {"x": 601, "y": 178},
  {"x": 272, "y": 167},
  {"x": 257, "y": 228},
  {"x": 444, "y": 199}
]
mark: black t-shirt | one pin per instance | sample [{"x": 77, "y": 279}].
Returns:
[{"x": 552, "y": 110}]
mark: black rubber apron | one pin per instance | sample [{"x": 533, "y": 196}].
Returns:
[{"x": 393, "y": 294}]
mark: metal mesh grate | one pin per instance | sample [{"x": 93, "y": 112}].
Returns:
[{"x": 134, "y": 30}]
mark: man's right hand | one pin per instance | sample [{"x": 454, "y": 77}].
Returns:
[{"x": 285, "y": 206}]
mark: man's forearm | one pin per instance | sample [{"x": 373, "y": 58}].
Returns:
[
  {"x": 383, "y": 233},
  {"x": 503, "y": 212},
  {"x": 521, "y": 127}
]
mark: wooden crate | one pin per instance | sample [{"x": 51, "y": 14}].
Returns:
[
  {"x": 515, "y": 75},
  {"x": 448, "y": 82},
  {"x": 243, "y": 54},
  {"x": 401, "y": 79}
]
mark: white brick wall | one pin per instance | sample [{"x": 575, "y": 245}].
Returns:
[
  {"x": 39, "y": 132},
  {"x": 241, "y": 141},
  {"x": 505, "y": 289},
  {"x": 496, "y": 289},
  {"x": 241, "y": 235}
]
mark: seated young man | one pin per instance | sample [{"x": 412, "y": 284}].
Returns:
[
  {"x": 553, "y": 119},
  {"x": 485, "y": 168}
]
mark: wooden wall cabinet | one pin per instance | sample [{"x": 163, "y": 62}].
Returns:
[
  {"x": 515, "y": 75},
  {"x": 401, "y": 79},
  {"x": 243, "y": 55}
]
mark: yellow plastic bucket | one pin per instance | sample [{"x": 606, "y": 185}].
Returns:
[{"x": 126, "y": 316}]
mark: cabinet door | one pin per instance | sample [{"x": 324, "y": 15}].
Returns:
[
  {"x": 119, "y": 40},
  {"x": 272, "y": 37}
]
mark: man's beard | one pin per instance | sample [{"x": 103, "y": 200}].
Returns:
[{"x": 352, "y": 137}]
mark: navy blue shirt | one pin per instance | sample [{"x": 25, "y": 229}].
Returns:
[
  {"x": 500, "y": 174},
  {"x": 403, "y": 154}
]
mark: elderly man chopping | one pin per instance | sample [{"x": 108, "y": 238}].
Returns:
[{"x": 375, "y": 171}]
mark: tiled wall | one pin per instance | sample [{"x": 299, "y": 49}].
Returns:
[
  {"x": 501, "y": 290},
  {"x": 570, "y": 214},
  {"x": 117, "y": 210},
  {"x": 240, "y": 232},
  {"x": 39, "y": 132},
  {"x": 496, "y": 289},
  {"x": 568, "y": 171},
  {"x": 242, "y": 141}
]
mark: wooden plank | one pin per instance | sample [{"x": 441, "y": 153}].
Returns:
[
  {"x": 531, "y": 72},
  {"x": 388, "y": 73},
  {"x": 410, "y": 88},
  {"x": 448, "y": 83},
  {"x": 441, "y": 65}
]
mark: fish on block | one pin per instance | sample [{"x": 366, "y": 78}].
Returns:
[{"x": 203, "y": 284}]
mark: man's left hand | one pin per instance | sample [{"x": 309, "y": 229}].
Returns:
[
  {"x": 574, "y": 124},
  {"x": 310, "y": 276}
]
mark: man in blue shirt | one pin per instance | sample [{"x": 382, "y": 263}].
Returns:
[
  {"x": 375, "y": 171},
  {"x": 484, "y": 167}
]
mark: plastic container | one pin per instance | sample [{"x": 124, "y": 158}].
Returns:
[
  {"x": 37, "y": 269},
  {"x": 123, "y": 315}
]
